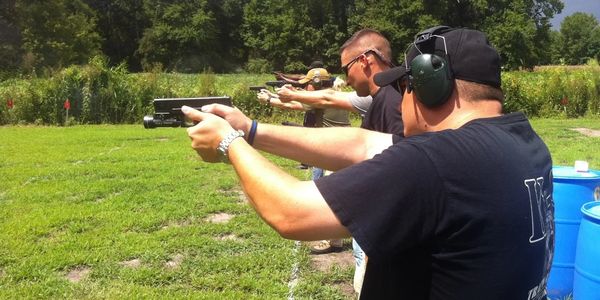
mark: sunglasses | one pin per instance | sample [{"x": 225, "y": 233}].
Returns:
[{"x": 346, "y": 67}]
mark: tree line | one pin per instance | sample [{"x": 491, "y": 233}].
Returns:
[{"x": 263, "y": 35}]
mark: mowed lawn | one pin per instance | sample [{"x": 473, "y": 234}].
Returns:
[{"x": 124, "y": 212}]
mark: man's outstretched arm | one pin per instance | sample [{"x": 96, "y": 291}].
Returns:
[
  {"x": 295, "y": 209},
  {"x": 326, "y": 98},
  {"x": 331, "y": 148}
]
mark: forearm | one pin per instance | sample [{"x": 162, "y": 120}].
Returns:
[
  {"x": 331, "y": 148},
  {"x": 292, "y": 105},
  {"x": 295, "y": 209},
  {"x": 322, "y": 99}
]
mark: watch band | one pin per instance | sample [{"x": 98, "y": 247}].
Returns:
[{"x": 223, "y": 148}]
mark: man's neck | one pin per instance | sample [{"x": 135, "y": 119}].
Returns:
[{"x": 468, "y": 111}]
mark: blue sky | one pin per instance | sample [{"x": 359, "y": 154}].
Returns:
[{"x": 572, "y": 6}]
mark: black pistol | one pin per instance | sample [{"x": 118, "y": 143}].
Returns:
[
  {"x": 167, "y": 111},
  {"x": 257, "y": 88}
]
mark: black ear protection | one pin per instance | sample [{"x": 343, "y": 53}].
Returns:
[{"x": 429, "y": 75}]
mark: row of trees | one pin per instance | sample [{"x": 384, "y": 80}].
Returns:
[{"x": 261, "y": 35}]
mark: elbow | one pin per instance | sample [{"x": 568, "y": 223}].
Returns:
[{"x": 285, "y": 228}]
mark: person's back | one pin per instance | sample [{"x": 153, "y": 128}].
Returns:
[
  {"x": 333, "y": 117},
  {"x": 468, "y": 221}
]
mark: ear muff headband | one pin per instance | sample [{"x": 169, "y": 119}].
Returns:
[{"x": 429, "y": 75}]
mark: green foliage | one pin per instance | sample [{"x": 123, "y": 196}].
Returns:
[
  {"x": 580, "y": 38},
  {"x": 559, "y": 91},
  {"x": 290, "y": 34},
  {"x": 102, "y": 94},
  {"x": 227, "y": 35},
  {"x": 121, "y": 24},
  {"x": 10, "y": 49},
  {"x": 181, "y": 36},
  {"x": 57, "y": 33},
  {"x": 515, "y": 40},
  {"x": 519, "y": 29},
  {"x": 258, "y": 66}
]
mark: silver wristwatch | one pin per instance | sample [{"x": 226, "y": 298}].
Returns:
[{"x": 223, "y": 148}]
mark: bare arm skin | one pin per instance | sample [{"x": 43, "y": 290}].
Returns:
[
  {"x": 331, "y": 148},
  {"x": 295, "y": 209},
  {"x": 327, "y": 98},
  {"x": 265, "y": 96}
]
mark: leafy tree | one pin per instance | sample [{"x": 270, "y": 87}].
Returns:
[
  {"x": 57, "y": 33},
  {"x": 229, "y": 16},
  {"x": 580, "y": 38},
  {"x": 555, "y": 48},
  {"x": 595, "y": 44},
  {"x": 398, "y": 21},
  {"x": 520, "y": 29},
  {"x": 515, "y": 39},
  {"x": 10, "y": 39},
  {"x": 10, "y": 48},
  {"x": 290, "y": 34},
  {"x": 121, "y": 24},
  {"x": 181, "y": 37}
]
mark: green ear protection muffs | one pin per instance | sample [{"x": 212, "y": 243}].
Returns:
[{"x": 429, "y": 75}]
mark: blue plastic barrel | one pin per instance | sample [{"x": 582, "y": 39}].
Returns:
[
  {"x": 571, "y": 190},
  {"x": 586, "y": 280}
]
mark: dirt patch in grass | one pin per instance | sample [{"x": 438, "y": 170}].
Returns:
[
  {"x": 180, "y": 223},
  {"x": 2, "y": 273},
  {"x": 242, "y": 197},
  {"x": 229, "y": 237},
  {"x": 134, "y": 263},
  {"x": 175, "y": 261},
  {"x": 78, "y": 274},
  {"x": 344, "y": 260},
  {"x": 347, "y": 289},
  {"x": 324, "y": 262},
  {"x": 219, "y": 218},
  {"x": 587, "y": 132},
  {"x": 235, "y": 192}
]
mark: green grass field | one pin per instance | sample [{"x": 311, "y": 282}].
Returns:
[{"x": 124, "y": 212}]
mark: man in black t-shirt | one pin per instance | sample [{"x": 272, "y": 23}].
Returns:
[
  {"x": 461, "y": 208},
  {"x": 364, "y": 55}
]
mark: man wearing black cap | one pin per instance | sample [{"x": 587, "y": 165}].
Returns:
[{"x": 459, "y": 209}]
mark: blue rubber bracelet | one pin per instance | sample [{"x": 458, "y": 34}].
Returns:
[{"x": 252, "y": 132}]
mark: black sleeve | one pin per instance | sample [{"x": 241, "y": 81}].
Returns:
[
  {"x": 393, "y": 115},
  {"x": 397, "y": 137},
  {"x": 389, "y": 203}
]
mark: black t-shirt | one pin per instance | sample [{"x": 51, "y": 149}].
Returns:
[
  {"x": 456, "y": 214},
  {"x": 384, "y": 113}
]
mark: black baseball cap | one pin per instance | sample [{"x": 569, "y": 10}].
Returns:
[{"x": 470, "y": 56}]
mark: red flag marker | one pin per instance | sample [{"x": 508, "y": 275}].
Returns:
[
  {"x": 67, "y": 105},
  {"x": 10, "y": 103}
]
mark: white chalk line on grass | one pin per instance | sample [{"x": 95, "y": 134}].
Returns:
[
  {"x": 295, "y": 272},
  {"x": 294, "y": 276}
]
